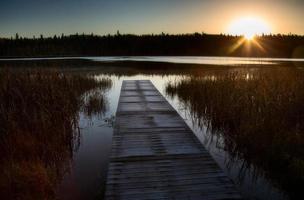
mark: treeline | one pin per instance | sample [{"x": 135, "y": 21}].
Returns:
[{"x": 196, "y": 44}]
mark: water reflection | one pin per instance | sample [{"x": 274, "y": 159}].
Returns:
[
  {"x": 39, "y": 132},
  {"x": 256, "y": 116}
]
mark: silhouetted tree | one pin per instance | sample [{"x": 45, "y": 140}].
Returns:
[{"x": 197, "y": 44}]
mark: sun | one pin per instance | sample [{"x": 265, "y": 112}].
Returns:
[{"x": 249, "y": 27}]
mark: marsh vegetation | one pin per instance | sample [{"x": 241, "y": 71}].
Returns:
[
  {"x": 39, "y": 114},
  {"x": 257, "y": 115}
]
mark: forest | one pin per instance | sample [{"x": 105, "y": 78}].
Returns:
[{"x": 196, "y": 44}]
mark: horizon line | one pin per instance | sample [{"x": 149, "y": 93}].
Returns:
[{"x": 18, "y": 36}]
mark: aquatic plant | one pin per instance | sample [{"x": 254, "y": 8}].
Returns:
[
  {"x": 259, "y": 114},
  {"x": 39, "y": 112}
]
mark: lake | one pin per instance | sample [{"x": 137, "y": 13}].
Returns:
[{"x": 247, "y": 112}]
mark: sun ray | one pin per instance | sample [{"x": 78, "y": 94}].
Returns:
[
  {"x": 239, "y": 43},
  {"x": 259, "y": 45}
]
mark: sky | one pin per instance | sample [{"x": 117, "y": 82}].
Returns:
[{"x": 49, "y": 17}]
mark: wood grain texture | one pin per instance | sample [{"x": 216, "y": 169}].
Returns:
[{"x": 155, "y": 155}]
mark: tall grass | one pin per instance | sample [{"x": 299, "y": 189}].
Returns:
[
  {"x": 39, "y": 129},
  {"x": 259, "y": 114}
]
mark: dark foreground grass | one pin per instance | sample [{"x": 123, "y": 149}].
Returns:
[
  {"x": 39, "y": 128},
  {"x": 260, "y": 116}
]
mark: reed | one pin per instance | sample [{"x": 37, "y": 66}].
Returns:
[
  {"x": 258, "y": 113},
  {"x": 39, "y": 111}
]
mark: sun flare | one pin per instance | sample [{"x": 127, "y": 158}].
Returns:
[{"x": 249, "y": 27}]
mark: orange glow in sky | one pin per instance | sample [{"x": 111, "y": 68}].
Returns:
[
  {"x": 241, "y": 17},
  {"x": 248, "y": 27}
]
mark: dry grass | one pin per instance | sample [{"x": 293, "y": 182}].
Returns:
[
  {"x": 94, "y": 103},
  {"x": 259, "y": 114},
  {"x": 38, "y": 133}
]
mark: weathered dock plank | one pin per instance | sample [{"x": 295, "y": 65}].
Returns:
[{"x": 155, "y": 155}]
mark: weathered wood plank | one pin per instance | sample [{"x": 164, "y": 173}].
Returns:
[{"x": 155, "y": 155}]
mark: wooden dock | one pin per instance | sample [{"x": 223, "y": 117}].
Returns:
[{"x": 155, "y": 155}]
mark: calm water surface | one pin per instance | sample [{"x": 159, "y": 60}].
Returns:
[
  {"x": 90, "y": 163},
  {"x": 86, "y": 178},
  {"x": 207, "y": 60}
]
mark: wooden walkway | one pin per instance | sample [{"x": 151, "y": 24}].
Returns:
[{"x": 155, "y": 155}]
